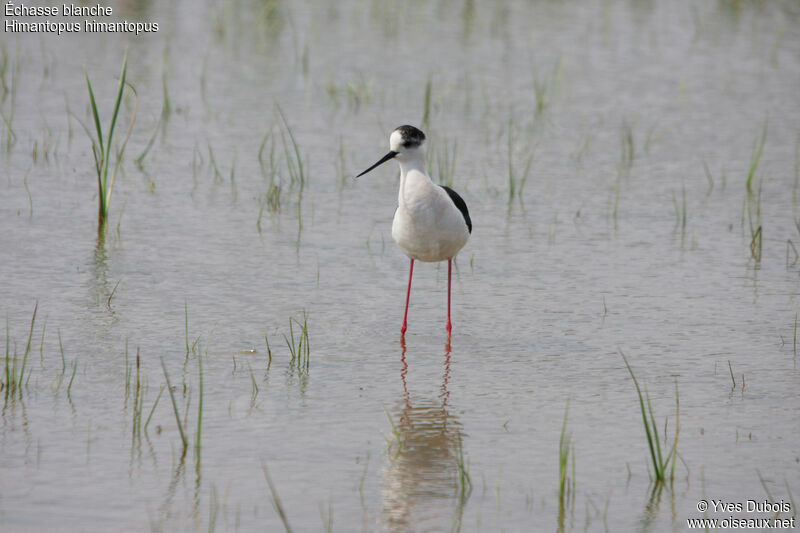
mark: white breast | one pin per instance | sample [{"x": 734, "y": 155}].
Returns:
[{"x": 427, "y": 225}]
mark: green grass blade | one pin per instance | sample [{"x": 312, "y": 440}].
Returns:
[
  {"x": 298, "y": 157},
  {"x": 114, "y": 115},
  {"x": 98, "y": 157},
  {"x": 8, "y": 370},
  {"x": 276, "y": 501},
  {"x": 200, "y": 401},
  {"x": 186, "y": 324},
  {"x": 153, "y": 409},
  {"x": 27, "y": 349},
  {"x": 644, "y": 415},
  {"x": 674, "y": 451},
  {"x": 199, "y": 404},
  {"x": 95, "y": 114},
  {"x": 72, "y": 378},
  {"x": 427, "y": 104},
  {"x": 755, "y": 156},
  {"x": 658, "y": 460},
  {"x": 174, "y": 406},
  {"x": 61, "y": 348},
  {"x": 563, "y": 456}
]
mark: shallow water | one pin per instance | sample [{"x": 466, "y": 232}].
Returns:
[{"x": 592, "y": 257}]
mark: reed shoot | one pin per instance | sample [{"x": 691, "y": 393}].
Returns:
[
  {"x": 72, "y": 378},
  {"x": 175, "y": 407},
  {"x": 102, "y": 146},
  {"x": 300, "y": 346},
  {"x": 153, "y": 409},
  {"x": 446, "y": 164},
  {"x": 516, "y": 183},
  {"x": 269, "y": 352},
  {"x": 565, "y": 450},
  {"x": 628, "y": 150},
  {"x": 426, "y": 113},
  {"x": 660, "y": 463},
  {"x": 64, "y": 362},
  {"x": 276, "y": 501},
  {"x": 13, "y": 384},
  {"x": 254, "y": 386},
  {"x": 464, "y": 487},
  {"x": 138, "y": 401},
  {"x": 199, "y": 406},
  {"x": 755, "y": 155},
  {"x": 27, "y": 350},
  {"x": 186, "y": 325},
  {"x": 294, "y": 161}
]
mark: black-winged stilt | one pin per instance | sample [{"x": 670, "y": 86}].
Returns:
[{"x": 432, "y": 221}]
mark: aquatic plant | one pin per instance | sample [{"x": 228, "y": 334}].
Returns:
[
  {"x": 733, "y": 379},
  {"x": 270, "y": 200},
  {"x": 395, "y": 443},
  {"x": 660, "y": 463},
  {"x": 8, "y": 119},
  {"x": 254, "y": 387},
  {"x": 300, "y": 346},
  {"x": 426, "y": 105},
  {"x": 755, "y": 155},
  {"x": 680, "y": 210},
  {"x": 446, "y": 163},
  {"x": 175, "y": 408},
  {"x": 186, "y": 325},
  {"x": 566, "y": 451},
  {"x": 153, "y": 409},
  {"x": 166, "y": 109},
  {"x": 13, "y": 383},
  {"x": 72, "y": 378},
  {"x": 516, "y": 182},
  {"x": 276, "y": 501},
  {"x": 294, "y": 161},
  {"x": 753, "y": 203},
  {"x": 628, "y": 150},
  {"x": 709, "y": 178},
  {"x": 269, "y": 351},
  {"x": 101, "y": 146},
  {"x": 464, "y": 486},
  {"x": 752, "y": 199},
  {"x": 138, "y": 401}
]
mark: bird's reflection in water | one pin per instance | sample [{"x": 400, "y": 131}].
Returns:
[{"x": 421, "y": 475}]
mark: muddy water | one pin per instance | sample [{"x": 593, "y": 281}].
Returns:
[{"x": 619, "y": 240}]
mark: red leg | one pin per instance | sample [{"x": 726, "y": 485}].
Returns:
[
  {"x": 449, "y": 277},
  {"x": 408, "y": 293}
]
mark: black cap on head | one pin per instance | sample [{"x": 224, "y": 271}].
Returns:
[{"x": 412, "y": 136}]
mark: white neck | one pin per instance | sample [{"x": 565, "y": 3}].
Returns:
[{"x": 413, "y": 179}]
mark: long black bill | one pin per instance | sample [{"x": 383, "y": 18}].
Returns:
[{"x": 383, "y": 160}]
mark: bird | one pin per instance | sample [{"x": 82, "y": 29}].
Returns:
[{"x": 431, "y": 222}]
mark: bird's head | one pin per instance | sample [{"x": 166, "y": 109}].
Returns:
[
  {"x": 408, "y": 142},
  {"x": 405, "y": 143}
]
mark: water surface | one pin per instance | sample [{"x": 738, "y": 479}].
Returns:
[{"x": 619, "y": 240}]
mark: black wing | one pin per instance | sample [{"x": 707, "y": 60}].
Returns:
[{"x": 460, "y": 204}]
